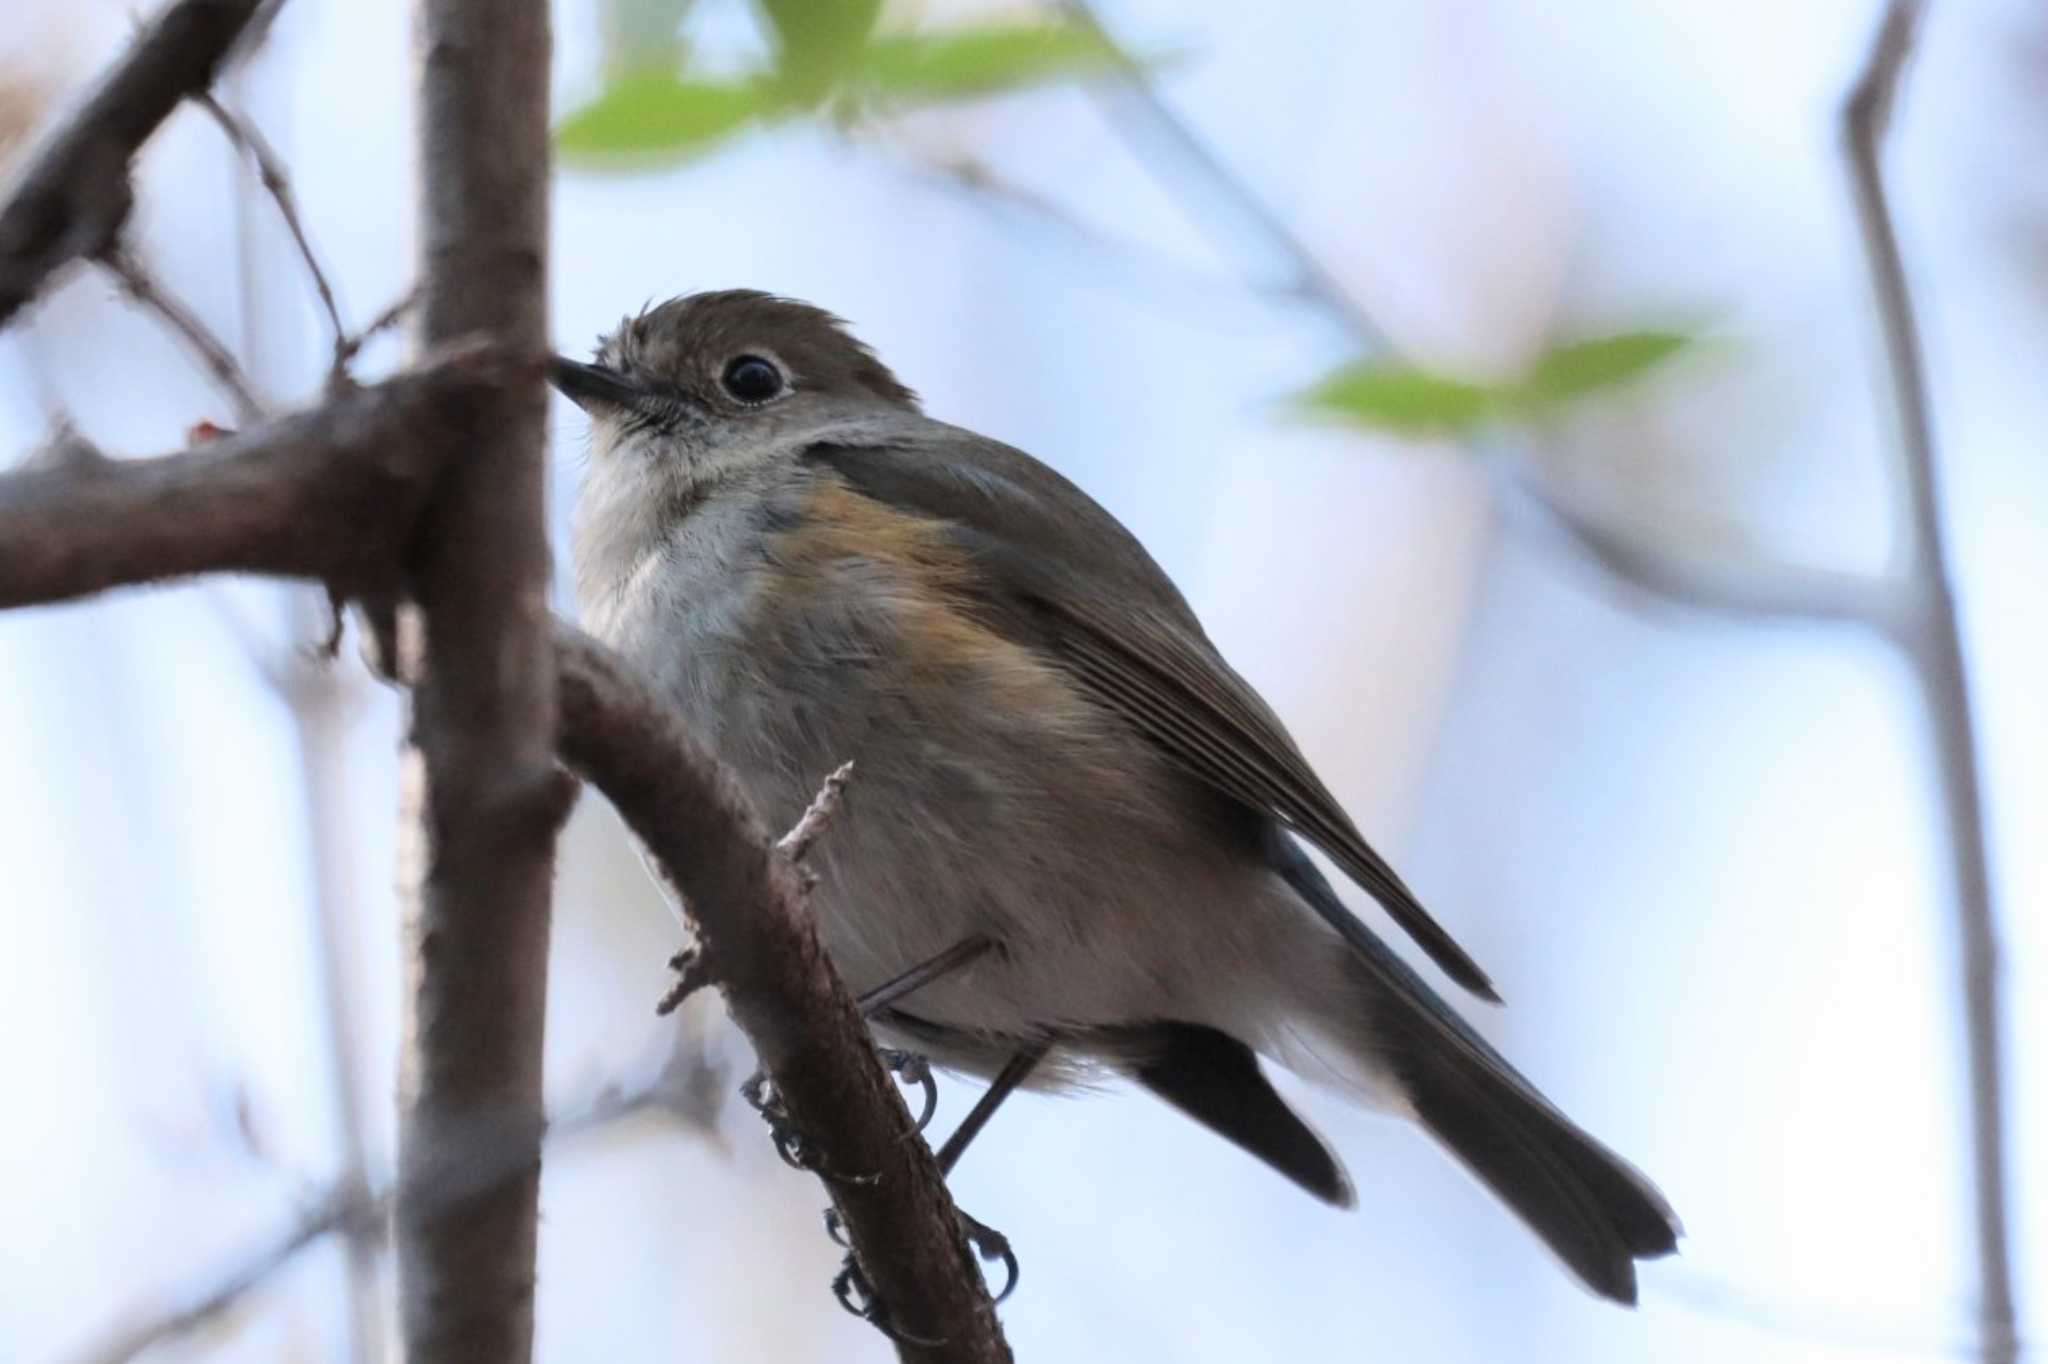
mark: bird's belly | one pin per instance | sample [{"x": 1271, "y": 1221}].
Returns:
[{"x": 989, "y": 799}]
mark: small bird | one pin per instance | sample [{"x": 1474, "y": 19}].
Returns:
[{"x": 1074, "y": 844}]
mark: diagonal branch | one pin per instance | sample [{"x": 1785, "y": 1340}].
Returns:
[
  {"x": 139, "y": 283},
  {"x": 73, "y": 197},
  {"x": 277, "y": 183},
  {"x": 329, "y": 494},
  {"x": 1699, "y": 582},
  {"x": 353, "y": 1206},
  {"x": 352, "y": 345},
  {"x": 1936, "y": 648},
  {"x": 803, "y": 1022}
]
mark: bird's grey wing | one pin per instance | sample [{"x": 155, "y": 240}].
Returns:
[{"x": 1054, "y": 566}]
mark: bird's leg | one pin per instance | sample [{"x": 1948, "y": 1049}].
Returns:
[
  {"x": 923, "y": 974},
  {"x": 909, "y": 1067},
  {"x": 851, "y": 1286},
  {"x": 989, "y": 1243},
  {"x": 759, "y": 1090},
  {"x": 1015, "y": 1072}
]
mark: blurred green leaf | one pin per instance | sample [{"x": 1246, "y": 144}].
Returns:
[
  {"x": 964, "y": 63},
  {"x": 1577, "y": 368},
  {"x": 653, "y": 113},
  {"x": 1402, "y": 398},
  {"x": 818, "y": 39}
]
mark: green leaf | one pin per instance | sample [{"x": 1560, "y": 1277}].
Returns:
[
  {"x": 1402, "y": 398},
  {"x": 817, "y": 39},
  {"x": 1577, "y": 368},
  {"x": 652, "y": 113},
  {"x": 966, "y": 63}
]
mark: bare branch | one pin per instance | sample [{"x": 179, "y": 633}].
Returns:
[
  {"x": 805, "y": 1026},
  {"x": 796, "y": 844},
  {"x": 352, "y": 1206},
  {"x": 483, "y": 799},
  {"x": 383, "y": 322},
  {"x": 1697, "y": 582},
  {"x": 328, "y": 494},
  {"x": 1128, "y": 264},
  {"x": 278, "y": 185},
  {"x": 1936, "y": 649},
  {"x": 1158, "y": 135},
  {"x": 74, "y": 196},
  {"x": 138, "y": 1331},
  {"x": 139, "y": 284}
]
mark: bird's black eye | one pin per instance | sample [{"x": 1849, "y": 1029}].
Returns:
[{"x": 752, "y": 379}]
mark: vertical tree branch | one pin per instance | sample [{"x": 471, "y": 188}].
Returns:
[
  {"x": 483, "y": 797},
  {"x": 1935, "y": 646}
]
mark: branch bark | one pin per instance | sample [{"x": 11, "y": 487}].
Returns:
[
  {"x": 74, "y": 196},
  {"x": 806, "y": 1029},
  {"x": 483, "y": 799},
  {"x": 329, "y": 494}
]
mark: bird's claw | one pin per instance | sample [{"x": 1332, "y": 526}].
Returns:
[
  {"x": 851, "y": 1287},
  {"x": 857, "y": 1296},
  {"x": 760, "y": 1093},
  {"x": 796, "y": 1150},
  {"x": 913, "y": 1069},
  {"x": 991, "y": 1245}
]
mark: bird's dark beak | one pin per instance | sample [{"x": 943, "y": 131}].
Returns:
[{"x": 592, "y": 387}]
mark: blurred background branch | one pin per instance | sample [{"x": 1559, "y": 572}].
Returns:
[
  {"x": 1934, "y": 647},
  {"x": 74, "y": 197}
]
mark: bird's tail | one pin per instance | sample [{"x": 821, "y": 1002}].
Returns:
[{"x": 1591, "y": 1207}]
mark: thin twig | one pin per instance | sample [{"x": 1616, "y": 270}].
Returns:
[
  {"x": 139, "y": 284},
  {"x": 796, "y": 844},
  {"x": 1128, "y": 264},
  {"x": 1144, "y": 120},
  {"x": 277, "y": 184},
  {"x": 1936, "y": 650},
  {"x": 392, "y": 315}
]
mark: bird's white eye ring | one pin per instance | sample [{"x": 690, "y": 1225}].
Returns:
[{"x": 752, "y": 380}]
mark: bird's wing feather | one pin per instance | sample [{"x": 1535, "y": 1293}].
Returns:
[{"x": 1053, "y": 564}]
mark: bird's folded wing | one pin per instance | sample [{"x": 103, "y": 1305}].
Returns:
[{"x": 1052, "y": 564}]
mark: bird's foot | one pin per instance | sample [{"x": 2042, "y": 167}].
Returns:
[
  {"x": 912, "y": 1069},
  {"x": 851, "y": 1287},
  {"x": 790, "y": 1143}
]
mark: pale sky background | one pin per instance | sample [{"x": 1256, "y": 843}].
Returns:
[{"x": 1697, "y": 854}]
